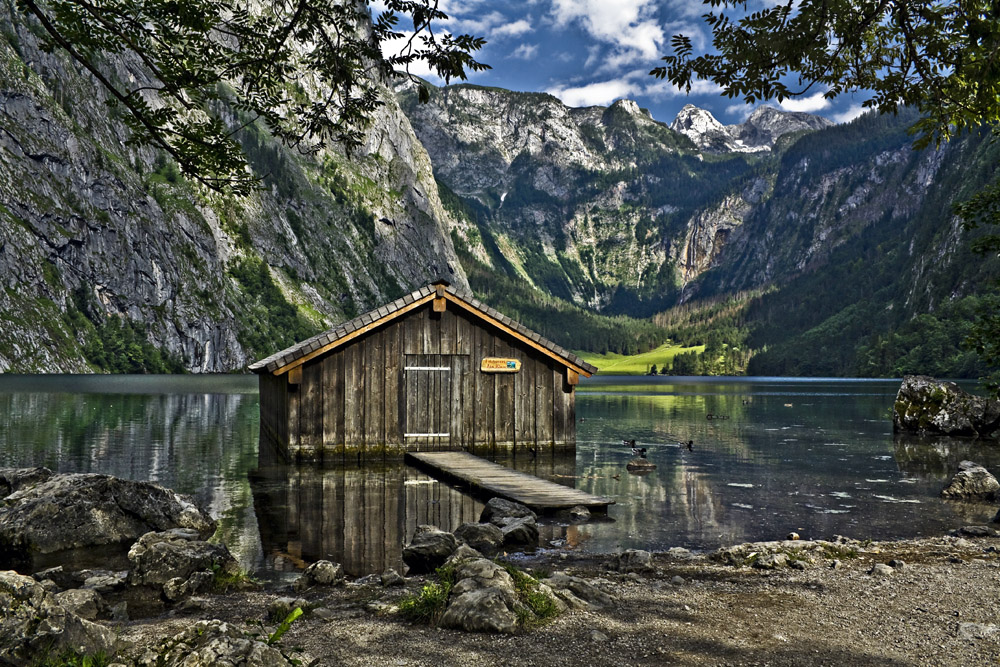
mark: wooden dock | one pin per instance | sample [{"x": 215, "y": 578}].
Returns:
[{"x": 488, "y": 479}]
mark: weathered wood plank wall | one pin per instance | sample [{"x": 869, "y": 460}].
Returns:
[{"x": 359, "y": 401}]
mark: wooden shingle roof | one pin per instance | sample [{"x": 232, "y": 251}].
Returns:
[{"x": 298, "y": 354}]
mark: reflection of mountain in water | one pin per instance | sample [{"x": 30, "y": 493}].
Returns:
[{"x": 197, "y": 441}]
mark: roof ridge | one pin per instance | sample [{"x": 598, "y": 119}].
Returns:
[{"x": 298, "y": 350}]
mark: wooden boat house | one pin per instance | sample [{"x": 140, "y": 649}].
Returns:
[{"x": 434, "y": 370}]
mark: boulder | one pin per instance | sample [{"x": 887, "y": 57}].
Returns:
[
  {"x": 498, "y": 509},
  {"x": 484, "y": 598},
  {"x": 392, "y": 578},
  {"x": 279, "y": 608},
  {"x": 770, "y": 561},
  {"x": 210, "y": 643},
  {"x": 632, "y": 560},
  {"x": 480, "y": 610},
  {"x": 12, "y": 479},
  {"x": 574, "y": 591},
  {"x": 85, "y": 603},
  {"x": 481, "y": 573},
  {"x": 463, "y": 552},
  {"x": 103, "y": 581},
  {"x": 483, "y": 537},
  {"x": 972, "y": 482},
  {"x": 519, "y": 532},
  {"x": 48, "y": 513},
  {"x": 324, "y": 573},
  {"x": 178, "y": 563},
  {"x": 33, "y": 624},
  {"x": 429, "y": 549},
  {"x": 926, "y": 405}
]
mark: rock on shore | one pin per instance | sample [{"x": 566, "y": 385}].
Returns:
[
  {"x": 34, "y": 624},
  {"x": 926, "y": 405},
  {"x": 44, "y": 512}
]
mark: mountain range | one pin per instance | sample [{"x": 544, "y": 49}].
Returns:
[{"x": 809, "y": 248}]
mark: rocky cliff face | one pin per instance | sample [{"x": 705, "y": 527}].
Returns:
[
  {"x": 591, "y": 204},
  {"x": 619, "y": 213},
  {"x": 598, "y": 204},
  {"x": 105, "y": 249}
]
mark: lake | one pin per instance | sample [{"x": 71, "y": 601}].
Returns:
[{"x": 770, "y": 456}]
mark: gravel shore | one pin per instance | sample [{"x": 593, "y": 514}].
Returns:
[{"x": 931, "y": 602}]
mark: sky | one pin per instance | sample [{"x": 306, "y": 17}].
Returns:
[{"x": 593, "y": 52}]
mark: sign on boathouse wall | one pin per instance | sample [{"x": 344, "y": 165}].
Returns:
[
  {"x": 500, "y": 365},
  {"x": 434, "y": 370}
]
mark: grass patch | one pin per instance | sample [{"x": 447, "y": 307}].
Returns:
[
  {"x": 224, "y": 581},
  {"x": 538, "y": 607},
  {"x": 638, "y": 364},
  {"x": 535, "y": 606},
  {"x": 429, "y": 604},
  {"x": 833, "y": 551}
]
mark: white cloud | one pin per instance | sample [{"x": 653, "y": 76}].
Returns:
[
  {"x": 525, "y": 51},
  {"x": 628, "y": 24},
  {"x": 519, "y": 27},
  {"x": 662, "y": 88},
  {"x": 849, "y": 114},
  {"x": 741, "y": 111},
  {"x": 810, "y": 104},
  {"x": 599, "y": 93},
  {"x": 477, "y": 24}
]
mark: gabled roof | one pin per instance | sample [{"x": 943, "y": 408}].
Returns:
[{"x": 300, "y": 353}]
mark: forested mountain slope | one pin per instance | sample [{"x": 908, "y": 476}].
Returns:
[
  {"x": 838, "y": 243},
  {"x": 781, "y": 243}
]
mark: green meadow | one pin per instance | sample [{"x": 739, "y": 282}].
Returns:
[{"x": 637, "y": 364}]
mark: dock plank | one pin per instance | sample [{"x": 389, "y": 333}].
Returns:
[{"x": 487, "y": 478}]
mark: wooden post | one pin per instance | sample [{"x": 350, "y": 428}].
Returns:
[
  {"x": 572, "y": 377},
  {"x": 440, "y": 304},
  {"x": 295, "y": 376}
]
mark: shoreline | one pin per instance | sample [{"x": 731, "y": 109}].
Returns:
[{"x": 936, "y": 604}]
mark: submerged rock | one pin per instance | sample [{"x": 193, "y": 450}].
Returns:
[
  {"x": 34, "y": 625},
  {"x": 926, "y": 405},
  {"x": 972, "y": 482},
  {"x": 640, "y": 465},
  {"x": 46, "y": 514},
  {"x": 498, "y": 509}
]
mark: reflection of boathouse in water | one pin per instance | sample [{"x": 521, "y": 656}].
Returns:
[
  {"x": 434, "y": 370},
  {"x": 360, "y": 516}
]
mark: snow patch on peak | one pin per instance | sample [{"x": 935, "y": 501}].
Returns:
[{"x": 758, "y": 134}]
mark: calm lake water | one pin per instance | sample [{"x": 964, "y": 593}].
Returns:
[{"x": 814, "y": 456}]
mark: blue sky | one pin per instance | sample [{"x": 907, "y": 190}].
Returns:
[{"x": 593, "y": 52}]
